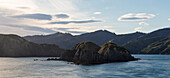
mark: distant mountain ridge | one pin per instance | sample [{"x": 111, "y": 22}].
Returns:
[
  {"x": 66, "y": 40},
  {"x": 165, "y": 32}
]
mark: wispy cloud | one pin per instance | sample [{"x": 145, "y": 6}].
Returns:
[
  {"x": 37, "y": 16},
  {"x": 62, "y": 16},
  {"x": 136, "y": 17},
  {"x": 24, "y": 8},
  {"x": 69, "y": 30},
  {"x": 76, "y": 22},
  {"x": 65, "y": 29},
  {"x": 97, "y": 13},
  {"x": 32, "y": 28},
  {"x": 76, "y": 32},
  {"x": 138, "y": 28},
  {"x": 169, "y": 19},
  {"x": 143, "y": 23}
]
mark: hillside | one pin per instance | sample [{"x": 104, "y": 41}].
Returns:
[
  {"x": 122, "y": 39},
  {"x": 15, "y": 46},
  {"x": 136, "y": 46},
  {"x": 146, "y": 44},
  {"x": 134, "y": 42},
  {"x": 160, "y": 47},
  {"x": 165, "y": 32},
  {"x": 67, "y": 41}
]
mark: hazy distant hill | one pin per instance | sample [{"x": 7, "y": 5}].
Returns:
[
  {"x": 66, "y": 40},
  {"x": 165, "y": 32},
  {"x": 122, "y": 39},
  {"x": 130, "y": 41},
  {"x": 15, "y": 46},
  {"x": 99, "y": 37}
]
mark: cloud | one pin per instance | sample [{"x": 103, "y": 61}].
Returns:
[
  {"x": 65, "y": 29},
  {"x": 136, "y": 17},
  {"x": 37, "y": 16},
  {"x": 97, "y": 13},
  {"x": 143, "y": 23},
  {"x": 24, "y": 7},
  {"x": 8, "y": 11},
  {"x": 69, "y": 30},
  {"x": 32, "y": 28},
  {"x": 76, "y": 22},
  {"x": 169, "y": 19},
  {"x": 77, "y": 32},
  {"x": 62, "y": 16},
  {"x": 138, "y": 28},
  {"x": 106, "y": 26}
]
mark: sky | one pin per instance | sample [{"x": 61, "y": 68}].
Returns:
[{"x": 41, "y": 17}]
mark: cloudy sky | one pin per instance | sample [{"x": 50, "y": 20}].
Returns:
[{"x": 33, "y": 17}]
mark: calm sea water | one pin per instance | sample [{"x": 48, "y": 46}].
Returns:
[{"x": 151, "y": 66}]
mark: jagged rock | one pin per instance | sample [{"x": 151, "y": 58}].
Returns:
[
  {"x": 114, "y": 53},
  {"x": 86, "y": 53},
  {"x": 90, "y": 53},
  {"x": 68, "y": 55}
]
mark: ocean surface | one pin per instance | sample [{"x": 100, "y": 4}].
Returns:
[{"x": 150, "y": 66}]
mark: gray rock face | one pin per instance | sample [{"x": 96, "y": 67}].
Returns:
[{"x": 90, "y": 53}]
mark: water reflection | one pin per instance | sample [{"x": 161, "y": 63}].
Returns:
[{"x": 27, "y": 67}]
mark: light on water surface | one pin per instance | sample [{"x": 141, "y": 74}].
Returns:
[{"x": 151, "y": 66}]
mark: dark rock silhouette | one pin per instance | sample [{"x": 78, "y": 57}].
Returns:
[
  {"x": 89, "y": 53},
  {"x": 113, "y": 52},
  {"x": 68, "y": 55},
  {"x": 86, "y": 53}
]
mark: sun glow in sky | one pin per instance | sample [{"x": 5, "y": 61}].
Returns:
[{"x": 32, "y": 17}]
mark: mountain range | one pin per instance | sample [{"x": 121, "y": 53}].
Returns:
[
  {"x": 136, "y": 42},
  {"x": 156, "y": 42}
]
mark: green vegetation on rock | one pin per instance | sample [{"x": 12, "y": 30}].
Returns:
[{"x": 90, "y": 53}]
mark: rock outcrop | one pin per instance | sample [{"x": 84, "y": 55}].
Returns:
[
  {"x": 67, "y": 55},
  {"x": 86, "y": 53},
  {"x": 90, "y": 53},
  {"x": 112, "y": 52}
]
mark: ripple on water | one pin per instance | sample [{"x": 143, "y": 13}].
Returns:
[{"x": 151, "y": 66}]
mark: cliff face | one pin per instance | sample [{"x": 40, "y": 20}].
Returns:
[
  {"x": 15, "y": 46},
  {"x": 90, "y": 53}
]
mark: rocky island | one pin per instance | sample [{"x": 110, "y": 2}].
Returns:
[{"x": 89, "y": 53}]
